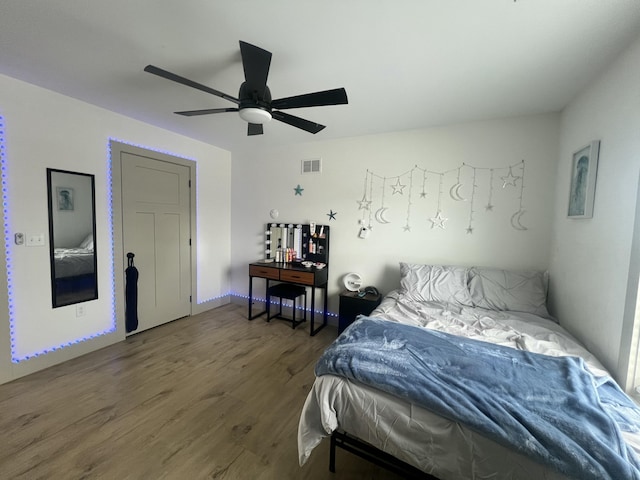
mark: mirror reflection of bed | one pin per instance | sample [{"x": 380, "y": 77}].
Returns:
[
  {"x": 74, "y": 272},
  {"x": 72, "y": 237}
]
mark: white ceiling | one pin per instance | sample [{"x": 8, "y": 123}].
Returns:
[{"x": 405, "y": 63}]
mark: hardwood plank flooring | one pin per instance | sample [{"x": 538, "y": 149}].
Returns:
[{"x": 212, "y": 396}]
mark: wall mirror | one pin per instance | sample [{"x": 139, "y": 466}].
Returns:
[{"x": 72, "y": 232}]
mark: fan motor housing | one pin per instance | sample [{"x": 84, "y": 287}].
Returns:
[{"x": 253, "y": 99}]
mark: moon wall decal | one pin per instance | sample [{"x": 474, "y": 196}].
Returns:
[
  {"x": 380, "y": 215},
  {"x": 516, "y": 220},
  {"x": 454, "y": 192}
]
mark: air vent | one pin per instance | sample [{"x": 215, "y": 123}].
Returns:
[{"x": 313, "y": 165}]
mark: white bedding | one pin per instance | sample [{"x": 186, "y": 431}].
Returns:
[
  {"x": 72, "y": 262},
  {"x": 437, "y": 446}
]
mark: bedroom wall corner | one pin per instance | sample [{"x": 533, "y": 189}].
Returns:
[
  {"x": 629, "y": 357},
  {"x": 590, "y": 266}
]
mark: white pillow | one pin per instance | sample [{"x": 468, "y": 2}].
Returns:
[
  {"x": 87, "y": 243},
  {"x": 519, "y": 291},
  {"x": 436, "y": 283}
]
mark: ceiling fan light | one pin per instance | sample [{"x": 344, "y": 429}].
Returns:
[{"x": 254, "y": 115}]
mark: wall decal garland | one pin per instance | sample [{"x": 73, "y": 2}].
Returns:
[
  {"x": 438, "y": 220},
  {"x": 472, "y": 202},
  {"x": 381, "y": 211},
  {"x": 465, "y": 183}
]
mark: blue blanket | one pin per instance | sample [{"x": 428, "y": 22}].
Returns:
[{"x": 548, "y": 408}]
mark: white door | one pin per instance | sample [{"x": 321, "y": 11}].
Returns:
[{"x": 156, "y": 228}]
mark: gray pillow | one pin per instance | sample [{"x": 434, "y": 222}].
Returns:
[
  {"x": 519, "y": 291},
  {"x": 436, "y": 283}
]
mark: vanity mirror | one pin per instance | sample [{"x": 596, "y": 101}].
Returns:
[
  {"x": 307, "y": 243},
  {"x": 72, "y": 231}
]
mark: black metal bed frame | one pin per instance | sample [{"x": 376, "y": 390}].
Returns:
[{"x": 374, "y": 455}]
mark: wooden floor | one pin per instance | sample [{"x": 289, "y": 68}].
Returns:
[{"x": 212, "y": 396}]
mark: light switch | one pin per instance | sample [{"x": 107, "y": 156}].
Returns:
[{"x": 35, "y": 239}]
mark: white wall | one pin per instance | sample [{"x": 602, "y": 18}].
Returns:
[
  {"x": 265, "y": 179},
  {"x": 591, "y": 257},
  {"x": 44, "y": 129}
]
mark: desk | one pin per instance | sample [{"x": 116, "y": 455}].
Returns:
[{"x": 291, "y": 273}]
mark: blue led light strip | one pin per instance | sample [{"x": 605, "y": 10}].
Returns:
[
  {"x": 276, "y": 302},
  {"x": 263, "y": 300},
  {"x": 7, "y": 240},
  {"x": 15, "y": 357},
  {"x": 114, "y": 317},
  {"x": 113, "y": 327},
  {"x": 224, "y": 295}
]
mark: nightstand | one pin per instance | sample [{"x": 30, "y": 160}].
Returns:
[{"x": 351, "y": 306}]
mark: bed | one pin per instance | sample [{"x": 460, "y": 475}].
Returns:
[{"x": 497, "y": 313}]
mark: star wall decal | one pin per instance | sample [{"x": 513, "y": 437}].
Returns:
[
  {"x": 510, "y": 179},
  {"x": 398, "y": 187},
  {"x": 298, "y": 190},
  {"x": 489, "y": 207},
  {"x": 469, "y": 229},
  {"x": 364, "y": 204},
  {"x": 438, "y": 220},
  {"x": 332, "y": 215},
  {"x": 406, "y": 228}
]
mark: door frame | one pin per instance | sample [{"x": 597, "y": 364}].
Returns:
[{"x": 116, "y": 149}]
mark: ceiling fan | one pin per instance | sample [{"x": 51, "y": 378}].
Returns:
[{"x": 255, "y": 105}]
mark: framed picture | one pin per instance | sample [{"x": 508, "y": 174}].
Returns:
[
  {"x": 65, "y": 198},
  {"x": 584, "y": 167}
]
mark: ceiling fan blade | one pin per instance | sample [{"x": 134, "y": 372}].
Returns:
[
  {"x": 207, "y": 111},
  {"x": 189, "y": 83},
  {"x": 337, "y": 96},
  {"x": 254, "y": 129},
  {"x": 298, "y": 122},
  {"x": 255, "y": 62}
]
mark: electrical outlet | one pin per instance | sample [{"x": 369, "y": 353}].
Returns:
[{"x": 80, "y": 310}]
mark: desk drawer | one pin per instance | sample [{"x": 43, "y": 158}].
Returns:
[
  {"x": 305, "y": 278},
  {"x": 264, "y": 272}
]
